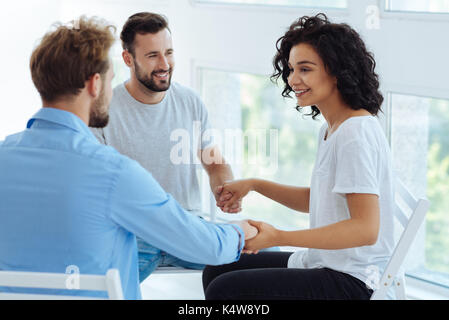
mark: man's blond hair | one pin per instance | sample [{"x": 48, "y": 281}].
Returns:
[{"x": 68, "y": 56}]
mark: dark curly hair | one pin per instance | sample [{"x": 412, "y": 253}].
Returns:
[{"x": 344, "y": 55}]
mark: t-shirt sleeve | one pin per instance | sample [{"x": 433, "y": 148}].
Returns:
[
  {"x": 356, "y": 168},
  {"x": 207, "y": 134},
  {"x": 141, "y": 206}
]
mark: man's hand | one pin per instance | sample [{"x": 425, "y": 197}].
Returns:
[
  {"x": 266, "y": 237},
  {"x": 232, "y": 192},
  {"x": 249, "y": 230},
  {"x": 219, "y": 194}
]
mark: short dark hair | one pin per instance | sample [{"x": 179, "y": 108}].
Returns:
[
  {"x": 68, "y": 56},
  {"x": 344, "y": 55},
  {"x": 141, "y": 23}
]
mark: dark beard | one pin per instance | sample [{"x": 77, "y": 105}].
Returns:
[
  {"x": 149, "y": 83},
  {"x": 99, "y": 116},
  {"x": 98, "y": 122}
]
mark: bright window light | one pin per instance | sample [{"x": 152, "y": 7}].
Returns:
[
  {"x": 428, "y": 6},
  {"x": 338, "y": 4},
  {"x": 253, "y": 104},
  {"x": 420, "y": 146}
]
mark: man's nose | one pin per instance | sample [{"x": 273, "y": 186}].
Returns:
[{"x": 163, "y": 63}]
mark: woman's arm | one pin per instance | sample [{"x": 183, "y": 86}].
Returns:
[
  {"x": 361, "y": 229},
  {"x": 295, "y": 198}
]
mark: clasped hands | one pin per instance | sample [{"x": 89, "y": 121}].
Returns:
[{"x": 258, "y": 235}]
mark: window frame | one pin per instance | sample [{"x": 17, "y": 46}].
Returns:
[
  {"x": 420, "y": 288},
  {"x": 391, "y": 89},
  {"x": 209, "y": 203},
  {"x": 272, "y": 7},
  {"x": 420, "y": 282},
  {"x": 410, "y": 15}
]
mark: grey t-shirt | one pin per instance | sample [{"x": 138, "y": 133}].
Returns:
[{"x": 164, "y": 138}]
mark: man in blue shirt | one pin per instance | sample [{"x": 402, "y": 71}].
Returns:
[{"x": 66, "y": 200}]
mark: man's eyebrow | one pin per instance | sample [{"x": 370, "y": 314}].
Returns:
[
  {"x": 151, "y": 52},
  {"x": 156, "y": 52}
]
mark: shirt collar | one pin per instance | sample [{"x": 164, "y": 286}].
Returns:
[{"x": 63, "y": 118}]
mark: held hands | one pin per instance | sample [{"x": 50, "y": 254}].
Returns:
[
  {"x": 258, "y": 235},
  {"x": 266, "y": 237},
  {"x": 226, "y": 195},
  {"x": 249, "y": 230},
  {"x": 229, "y": 195}
]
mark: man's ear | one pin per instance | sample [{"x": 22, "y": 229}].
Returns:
[
  {"x": 127, "y": 58},
  {"x": 94, "y": 85}
]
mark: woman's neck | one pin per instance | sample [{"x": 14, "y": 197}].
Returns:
[{"x": 338, "y": 112}]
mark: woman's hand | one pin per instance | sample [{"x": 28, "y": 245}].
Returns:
[{"x": 232, "y": 193}]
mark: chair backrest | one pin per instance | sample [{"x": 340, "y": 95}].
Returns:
[
  {"x": 411, "y": 225},
  {"x": 109, "y": 283}
]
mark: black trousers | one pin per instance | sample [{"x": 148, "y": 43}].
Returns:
[{"x": 265, "y": 276}]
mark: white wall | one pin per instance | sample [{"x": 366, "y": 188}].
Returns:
[{"x": 411, "y": 56}]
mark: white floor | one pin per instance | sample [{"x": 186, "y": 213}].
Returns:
[{"x": 172, "y": 287}]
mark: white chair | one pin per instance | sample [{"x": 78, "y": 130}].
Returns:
[
  {"x": 109, "y": 283},
  {"x": 411, "y": 225}
]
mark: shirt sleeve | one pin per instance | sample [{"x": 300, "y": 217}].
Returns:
[
  {"x": 141, "y": 206},
  {"x": 357, "y": 168},
  {"x": 206, "y": 139}
]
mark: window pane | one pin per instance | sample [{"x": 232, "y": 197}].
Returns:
[
  {"x": 420, "y": 146},
  {"x": 433, "y": 6},
  {"x": 254, "y": 104},
  {"x": 339, "y": 4}
]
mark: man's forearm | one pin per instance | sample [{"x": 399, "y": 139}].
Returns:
[
  {"x": 219, "y": 174},
  {"x": 216, "y": 167}
]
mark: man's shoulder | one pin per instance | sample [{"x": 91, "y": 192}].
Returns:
[
  {"x": 119, "y": 88},
  {"x": 11, "y": 139},
  {"x": 182, "y": 91},
  {"x": 118, "y": 92},
  {"x": 107, "y": 155}
]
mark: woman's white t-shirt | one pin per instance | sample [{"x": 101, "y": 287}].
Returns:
[{"x": 356, "y": 158}]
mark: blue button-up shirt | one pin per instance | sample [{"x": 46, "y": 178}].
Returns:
[{"x": 66, "y": 200}]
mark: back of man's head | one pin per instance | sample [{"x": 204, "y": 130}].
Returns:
[
  {"x": 68, "y": 56},
  {"x": 141, "y": 23}
]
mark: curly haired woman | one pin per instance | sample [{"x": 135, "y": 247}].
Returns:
[{"x": 351, "y": 196}]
